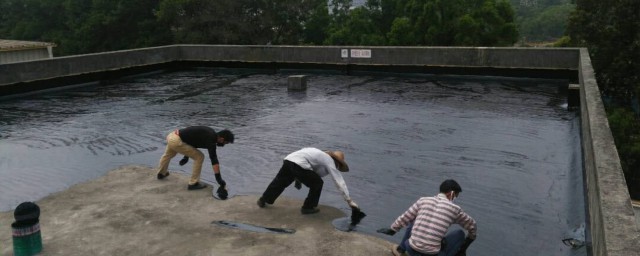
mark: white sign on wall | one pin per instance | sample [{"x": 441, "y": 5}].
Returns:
[
  {"x": 360, "y": 53},
  {"x": 355, "y": 53}
]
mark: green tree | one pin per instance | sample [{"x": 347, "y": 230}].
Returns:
[
  {"x": 611, "y": 32},
  {"x": 83, "y": 26},
  {"x": 337, "y": 32},
  {"x": 545, "y": 23},
  {"x": 625, "y": 126},
  {"x": 206, "y": 21},
  {"x": 316, "y": 27},
  {"x": 383, "y": 13},
  {"x": 426, "y": 22},
  {"x": 107, "y": 25},
  {"x": 357, "y": 29},
  {"x": 34, "y": 20},
  {"x": 400, "y": 33},
  {"x": 244, "y": 21},
  {"x": 287, "y": 19}
]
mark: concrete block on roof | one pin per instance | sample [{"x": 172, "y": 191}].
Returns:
[{"x": 297, "y": 83}]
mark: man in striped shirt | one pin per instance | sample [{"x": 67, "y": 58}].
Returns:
[{"x": 428, "y": 223}]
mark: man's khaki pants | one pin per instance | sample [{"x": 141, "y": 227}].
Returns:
[{"x": 175, "y": 146}]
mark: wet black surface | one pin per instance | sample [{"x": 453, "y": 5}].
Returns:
[
  {"x": 510, "y": 143},
  {"x": 253, "y": 228}
]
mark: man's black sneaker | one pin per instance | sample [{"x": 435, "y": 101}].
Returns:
[
  {"x": 261, "y": 203},
  {"x": 197, "y": 185},
  {"x": 309, "y": 210},
  {"x": 162, "y": 176}
]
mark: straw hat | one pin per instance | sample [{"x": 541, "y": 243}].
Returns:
[{"x": 339, "y": 157}]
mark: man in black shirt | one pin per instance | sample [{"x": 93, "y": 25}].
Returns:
[{"x": 187, "y": 141}]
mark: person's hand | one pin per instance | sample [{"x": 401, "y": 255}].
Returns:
[
  {"x": 222, "y": 193},
  {"x": 220, "y": 181},
  {"x": 184, "y": 160},
  {"x": 352, "y": 204},
  {"x": 298, "y": 184},
  {"x": 463, "y": 248},
  {"x": 386, "y": 231},
  {"x": 356, "y": 215}
]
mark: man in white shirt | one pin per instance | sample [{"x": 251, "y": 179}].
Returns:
[{"x": 308, "y": 166}]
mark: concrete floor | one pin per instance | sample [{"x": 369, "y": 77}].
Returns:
[{"x": 130, "y": 212}]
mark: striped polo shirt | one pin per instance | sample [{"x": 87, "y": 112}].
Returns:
[{"x": 432, "y": 217}]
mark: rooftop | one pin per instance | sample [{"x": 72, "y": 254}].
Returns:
[
  {"x": 511, "y": 143},
  {"x": 129, "y": 212}
]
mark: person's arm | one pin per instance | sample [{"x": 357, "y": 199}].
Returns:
[
  {"x": 342, "y": 186},
  {"x": 216, "y": 165},
  {"x": 402, "y": 221},
  {"x": 216, "y": 169},
  {"x": 467, "y": 223},
  {"x": 470, "y": 225},
  {"x": 216, "y": 172},
  {"x": 407, "y": 217}
]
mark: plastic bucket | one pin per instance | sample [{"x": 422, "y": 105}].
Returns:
[{"x": 27, "y": 240}]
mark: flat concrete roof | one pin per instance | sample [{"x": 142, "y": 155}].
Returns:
[
  {"x": 129, "y": 212},
  {"x": 402, "y": 136},
  {"x": 611, "y": 217}
]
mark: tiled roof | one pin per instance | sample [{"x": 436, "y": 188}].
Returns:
[{"x": 12, "y": 45}]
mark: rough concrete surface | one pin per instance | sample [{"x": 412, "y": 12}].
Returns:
[{"x": 130, "y": 212}]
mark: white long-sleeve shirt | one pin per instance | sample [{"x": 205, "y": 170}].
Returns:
[{"x": 321, "y": 163}]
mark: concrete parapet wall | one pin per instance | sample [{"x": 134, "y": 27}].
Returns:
[
  {"x": 456, "y": 57},
  {"x": 24, "y": 55},
  {"x": 523, "y": 58},
  {"x": 611, "y": 217},
  {"x": 22, "y": 72},
  {"x": 612, "y": 223},
  {"x": 263, "y": 54}
]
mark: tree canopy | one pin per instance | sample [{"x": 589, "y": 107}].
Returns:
[
  {"x": 426, "y": 23},
  {"x": 84, "y": 26},
  {"x": 611, "y": 32}
]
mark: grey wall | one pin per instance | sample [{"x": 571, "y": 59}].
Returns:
[
  {"x": 530, "y": 58},
  {"x": 83, "y": 64},
  {"x": 462, "y": 57},
  {"x": 614, "y": 230},
  {"x": 25, "y": 55},
  {"x": 612, "y": 221}
]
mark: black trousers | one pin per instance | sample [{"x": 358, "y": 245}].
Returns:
[{"x": 287, "y": 174}]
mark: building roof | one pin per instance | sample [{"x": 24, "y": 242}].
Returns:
[{"x": 13, "y": 45}]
